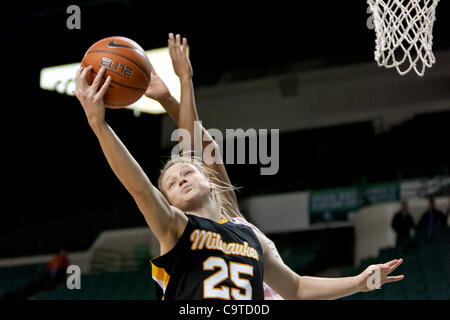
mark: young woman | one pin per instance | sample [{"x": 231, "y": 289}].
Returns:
[{"x": 204, "y": 253}]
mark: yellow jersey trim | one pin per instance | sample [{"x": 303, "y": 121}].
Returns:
[{"x": 161, "y": 276}]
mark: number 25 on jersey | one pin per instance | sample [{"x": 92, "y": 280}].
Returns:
[{"x": 232, "y": 270}]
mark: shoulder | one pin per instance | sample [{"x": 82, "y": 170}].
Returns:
[
  {"x": 180, "y": 220},
  {"x": 243, "y": 221},
  {"x": 178, "y": 225}
]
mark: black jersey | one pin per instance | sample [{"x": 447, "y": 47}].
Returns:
[{"x": 212, "y": 260}]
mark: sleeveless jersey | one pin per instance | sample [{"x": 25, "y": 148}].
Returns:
[
  {"x": 269, "y": 293},
  {"x": 212, "y": 260}
]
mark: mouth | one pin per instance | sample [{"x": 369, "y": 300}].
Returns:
[{"x": 186, "y": 188}]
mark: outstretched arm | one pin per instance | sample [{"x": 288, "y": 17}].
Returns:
[
  {"x": 185, "y": 113},
  {"x": 292, "y": 286},
  {"x": 163, "y": 219}
]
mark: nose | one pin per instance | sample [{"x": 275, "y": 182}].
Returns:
[{"x": 182, "y": 181}]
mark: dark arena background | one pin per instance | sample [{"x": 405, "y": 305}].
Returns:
[{"x": 355, "y": 140}]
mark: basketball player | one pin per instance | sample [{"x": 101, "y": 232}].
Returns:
[
  {"x": 158, "y": 91},
  {"x": 203, "y": 253}
]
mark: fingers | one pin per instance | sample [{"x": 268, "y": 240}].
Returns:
[
  {"x": 394, "y": 264},
  {"x": 97, "y": 79},
  {"x": 84, "y": 73},
  {"x": 103, "y": 89},
  {"x": 80, "y": 77},
  {"x": 395, "y": 278},
  {"x": 171, "y": 43},
  {"x": 179, "y": 56},
  {"x": 184, "y": 45},
  {"x": 176, "y": 44},
  {"x": 77, "y": 75}
]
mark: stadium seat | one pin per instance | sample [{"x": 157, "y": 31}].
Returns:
[
  {"x": 427, "y": 271},
  {"x": 129, "y": 285}
]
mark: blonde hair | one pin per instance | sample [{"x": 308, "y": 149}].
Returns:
[{"x": 220, "y": 186}]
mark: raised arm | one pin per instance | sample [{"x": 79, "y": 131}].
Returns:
[
  {"x": 185, "y": 113},
  {"x": 165, "y": 221}
]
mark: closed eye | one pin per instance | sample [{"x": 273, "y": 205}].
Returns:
[{"x": 187, "y": 172}]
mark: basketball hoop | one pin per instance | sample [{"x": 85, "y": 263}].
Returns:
[{"x": 404, "y": 34}]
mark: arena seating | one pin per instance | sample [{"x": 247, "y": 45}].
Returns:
[
  {"x": 129, "y": 285},
  {"x": 13, "y": 278},
  {"x": 426, "y": 270}
]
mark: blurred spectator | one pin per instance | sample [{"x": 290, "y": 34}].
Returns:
[
  {"x": 55, "y": 273},
  {"x": 57, "y": 269},
  {"x": 432, "y": 219},
  {"x": 403, "y": 225}
]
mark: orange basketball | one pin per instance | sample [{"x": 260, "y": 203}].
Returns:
[{"x": 127, "y": 64}]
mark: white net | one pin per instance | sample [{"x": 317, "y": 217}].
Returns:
[{"x": 404, "y": 34}]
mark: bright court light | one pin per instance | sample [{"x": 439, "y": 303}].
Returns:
[{"x": 62, "y": 79}]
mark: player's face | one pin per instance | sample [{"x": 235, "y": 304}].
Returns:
[{"x": 185, "y": 186}]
